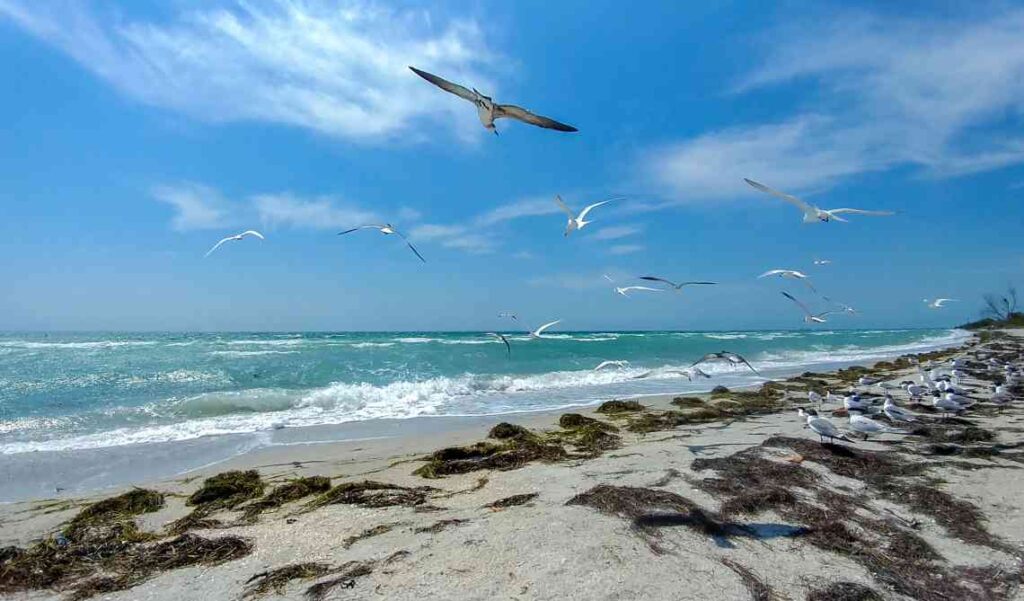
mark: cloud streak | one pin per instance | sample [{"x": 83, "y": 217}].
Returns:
[
  {"x": 197, "y": 207},
  {"x": 338, "y": 69},
  {"x": 886, "y": 93}
]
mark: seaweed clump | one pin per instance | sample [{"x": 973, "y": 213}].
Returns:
[
  {"x": 613, "y": 407},
  {"x": 113, "y": 509},
  {"x": 227, "y": 489},
  {"x": 276, "y": 579},
  {"x": 369, "y": 493},
  {"x": 286, "y": 493},
  {"x": 844, "y": 591},
  {"x": 521, "y": 448},
  {"x": 513, "y": 501},
  {"x": 759, "y": 589}
]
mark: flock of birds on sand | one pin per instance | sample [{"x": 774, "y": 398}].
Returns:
[
  {"x": 488, "y": 111},
  {"x": 943, "y": 384}
]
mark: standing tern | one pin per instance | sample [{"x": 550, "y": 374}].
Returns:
[
  {"x": 821, "y": 426},
  {"x": 537, "y": 333},
  {"x": 939, "y": 302},
  {"x": 813, "y": 214},
  {"x": 791, "y": 274},
  {"x": 677, "y": 287},
  {"x": 508, "y": 347},
  {"x": 808, "y": 316},
  {"x": 234, "y": 238},
  {"x": 620, "y": 364},
  {"x": 488, "y": 110},
  {"x": 895, "y": 412},
  {"x": 387, "y": 229},
  {"x": 732, "y": 358},
  {"x": 866, "y": 426},
  {"x": 577, "y": 222}
]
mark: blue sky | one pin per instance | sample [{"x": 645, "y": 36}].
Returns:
[{"x": 136, "y": 135}]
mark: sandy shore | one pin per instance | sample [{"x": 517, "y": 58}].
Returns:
[{"x": 722, "y": 496}]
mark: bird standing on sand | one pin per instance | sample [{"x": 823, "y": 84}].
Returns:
[
  {"x": 577, "y": 222},
  {"x": 813, "y": 214},
  {"x": 866, "y": 426},
  {"x": 895, "y": 412},
  {"x": 234, "y": 238},
  {"x": 732, "y": 358},
  {"x": 488, "y": 110},
  {"x": 822, "y": 427},
  {"x": 387, "y": 229}
]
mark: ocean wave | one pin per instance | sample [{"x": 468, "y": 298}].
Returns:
[
  {"x": 371, "y": 344},
  {"x": 284, "y": 342},
  {"x": 249, "y": 353},
  {"x": 726, "y": 336}
]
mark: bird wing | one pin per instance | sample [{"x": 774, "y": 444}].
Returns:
[
  {"x": 941, "y": 301},
  {"x": 802, "y": 306},
  {"x": 734, "y": 357},
  {"x": 411, "y": 247},
  {"x": 361, "y": 227},
  {"x": 518, "y": 112},
  {"x": 447, "y": 86},
  {"x": 564, "y": 207},
  {"x": 605, "y": 364},
  {"x": 772, "y": 272},
  {"x": 541, "y": 329},
  {"x": 608, "y": 277},
  {"x": 706, "y": 357},
  {"x": 216, "y": 246},
  {"x": 651, "y": 278},
  {"x": 861, "y": 212},
  {"x": 588, "y": 208},
  {"x": 508, "y": 347},
  {"x": 697, "y": 284},
  {"x": 252, "y": 233},
  {"x": 793, "y": 200},
  {"x": 647, "y": 288},
  {"x": 823, "y": 426}
]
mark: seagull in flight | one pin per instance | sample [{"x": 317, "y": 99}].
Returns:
[
  {"x": 488, "y": 110},
  {"x": 812, "y": 213},
  {"x": 939, "y": 302},
  {"x": 732, "y": 358},
  {"x": 620, "y": 364},
  {"x": 234, "y": 238},
  {"x": 791, "y": 274},
  {"x": 508, "y": 347},
  {"x": 537, "y": 333},
  {"x": 576, "y": 222},
  {"x": 624, "y": 290},
  {"x": 845, "y": 308},
  {"x": 387, "y": 229},
  {"x": 509, "y": 314},
  {"x": 808, "y": 316},
  {"x": 678, "y": 286},
  {"x": 820, "y": 262}
]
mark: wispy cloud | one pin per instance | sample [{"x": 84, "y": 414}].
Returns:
[
  {"x": 527, "y": 207},
  {"x": 322, "y": 213},
  {"x": 453, "y": 236},
  {"x": 481, "y": 234},
  {"x": 617, "y": 231},
  {"x": 196, "y": 206},
  {"x": 337, "y": 68},
  {"x": 887, "y": 92},
  {"x": 625, "y": 249}
]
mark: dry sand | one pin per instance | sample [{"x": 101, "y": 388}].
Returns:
[{"x": 663, "y": 525}]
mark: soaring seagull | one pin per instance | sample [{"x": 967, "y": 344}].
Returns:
[
  {"x": 619, "y": 363},
  {"x": 624, "y": 290},
  {"x": 488, "y": 110},
  {"x": 508, "y": 347},
  {"x": 732, "y": 358},
  {"x": 939, "y": 302},
  {"x": 808, "y": 316},
  {"x": 813, "y": 214},
  {"x": 387, "y": 229},
  {"x": 234, "y": 238},
  {"x": 677, "y": 287},
  {"x": 845, "y": 308},
  {"x": 576, "y": 222},
  {"x": 791, "y": 274},
  {"x": 537, "y": 333},
  {"x": 509, "y": 314}
]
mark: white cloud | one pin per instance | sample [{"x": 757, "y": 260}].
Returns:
[
  {"x": 625, "y": 249},
  {"x": 197, "y": 206},
  {"x": 453, "y": 236},
  {"x": 337, "y": 68},
  {"x": 617, "y": 231},
  {"x": 527, "y": 207},
  {"x": 291, "y": 211},
  {"x": 939, "y": 95}
]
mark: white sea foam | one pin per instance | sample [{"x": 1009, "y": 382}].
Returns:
[
  {"x": 93, "y": 344},
  {"x": 251, "y": 353}
]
